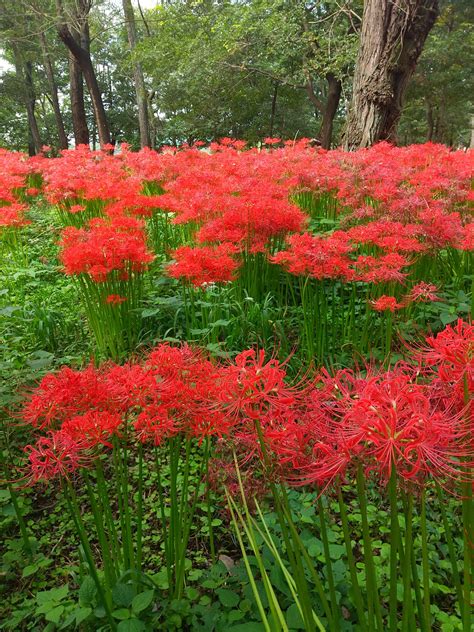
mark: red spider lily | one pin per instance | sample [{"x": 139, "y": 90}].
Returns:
[
  {"x": 388, "y": 235},
  {"x": 318, "y": 257},
  {"x": 451, "y": 354},
  {"x": 423, "y": 293},
  {"x": 81, "y": 174},
  {"x": 386, "y": 303},
  {"x": 76, "y": 208},
  {"x": 254, "y": 390},
  {"x": 65, "y": 394},
  {"x": 467, "y": 242},
  {"x": 381, "y": 269},
  {"x": 314, "y": 431},
  {"x": 13, "y": 215},
  {"x": 55, "y": 455},
  {"x": 115, "y": 299},
  {"x": 93, "y": 428},
  {"x": 154, "y": 424},
  {"x": 395, "y": 421},
  {"x": 206, "y": 264},
  {"x": 382, "y": 421},
  {"x": 106, "y": 246}
]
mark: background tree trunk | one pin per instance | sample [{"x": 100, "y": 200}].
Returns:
[
  {"x": 330, "y": 109},
  {"x": 78, "y": 110},
  {"x": 429, "y": 121},
  {"x": 392, "y": 38},
  {"x": 83, "y": 59},
  {"x": 24, "y": 73},
  {"x": 327, "y": 109},
  {"x": 139, "y": 80},
  {"x": 273, "y": 110},
  {"x": 48, "y": 66}
]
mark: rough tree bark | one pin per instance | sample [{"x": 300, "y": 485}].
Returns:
[
  {"x": 392, "y": 38},
  {"x": 139, "y": 80},
  {"x": 82, "y": 57},
  {"x": 53, "y": 88}
]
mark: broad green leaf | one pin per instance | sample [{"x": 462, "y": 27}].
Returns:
[
  {"x": 87, "y": 592},
  {"x": 131, "y": 625},
  {"x": 227, "y": 597},
  {"x": 142, "y": 601},
  {"x": 122, "y": 594}
]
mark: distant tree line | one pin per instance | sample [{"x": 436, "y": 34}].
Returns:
[{"x": 348, "y": 72}]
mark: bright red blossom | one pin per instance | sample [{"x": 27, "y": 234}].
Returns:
[{"x": 386, "y": 303}]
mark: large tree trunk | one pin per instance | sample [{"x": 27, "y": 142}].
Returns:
[
  {"x": 392, "y": 38},
  {"x": 139, "y": 80},
  {"x": 330, "y": 109},
  {"x": 78, "y": 108},
  {"x": 48, "y": 66},
  {"x": 82, "y": 57}
]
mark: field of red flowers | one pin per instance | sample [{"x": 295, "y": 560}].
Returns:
[{"x": 244, "y": 375}]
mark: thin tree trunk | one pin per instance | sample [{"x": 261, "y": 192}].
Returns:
[
  {"x": 79, "y": 119},
  {"x": 48, "y": 66},
  {"x": 429, "y": 121},
  {"x": 139, "y": 80},
  {"x": 327, "y": 109},
  {"x": 392, "y": 38},
  {"x": 82, "y": 57},
  {"x": 24, "y": 72},
  {"x": 30, "y": 106},
  {"x": 330, "y": 109},
  {"x": 273, "y": 110}
]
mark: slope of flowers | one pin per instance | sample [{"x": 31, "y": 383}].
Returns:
[
  {"x": 285, "y": 218},
  {"x": 410, "y": 200}
]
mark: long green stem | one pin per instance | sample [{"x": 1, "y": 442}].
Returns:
[
  {"x": 288, "y": 530},
  {"x": 106, "y": 598},
  {"x": 451, "y": 550},
  {"x": 140, "y": 509},
  {"x": 327, "y": 555},
  {"x": 394, "y": 550},
  {"x": 359, "y": 603},
  {"x": 109, "y": 570},
  {"x": 406, "y": 566},
  {"x": 374, "y": 609},
  {"x": 468, "y": 530},
  {"x": 425, "y": 561}
]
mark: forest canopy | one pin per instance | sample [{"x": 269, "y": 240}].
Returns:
[{"x": 154, "y": 73}]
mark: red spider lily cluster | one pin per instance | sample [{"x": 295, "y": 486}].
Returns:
[
  {"x": 419, "y": 293},
  {"x": 209, "y": 264},
  {"x": 106, "y": 246},
  {"x": 393, "y": 205},
  {"x": 14, "y": 169},
  {"x": 412, "y": 418}
]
